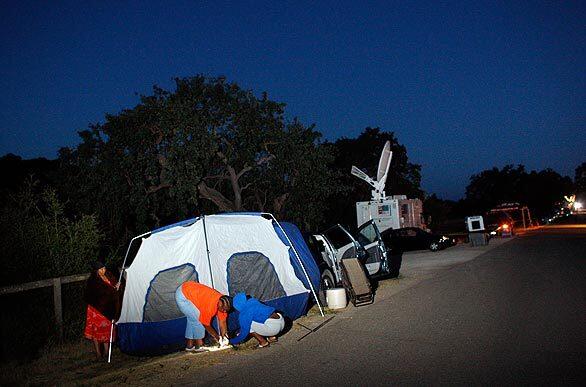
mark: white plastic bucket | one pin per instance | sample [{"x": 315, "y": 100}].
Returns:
[{"x": 336, "y": 298}]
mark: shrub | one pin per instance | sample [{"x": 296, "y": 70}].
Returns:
[{"x": 39, "y": 241}]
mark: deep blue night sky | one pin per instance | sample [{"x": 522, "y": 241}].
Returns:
[{"x": 465, "y": 85}]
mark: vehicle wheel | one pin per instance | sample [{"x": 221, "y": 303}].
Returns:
[
  {"x": 327, "y": 282},
  {"x": 434, "y": 246}
]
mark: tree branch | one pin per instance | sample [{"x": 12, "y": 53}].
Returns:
[
  {"x": 265, "y": 159},
  {"x": 128, "y": 179},
  {"x": 155, "y": 130},
  {"x": 235, "y": 188},
  {"x": 155, "y": 188},
  {"x": 215, "y": 196},
  {"x": 279, "y": 203},
  {"x": 243, "y": 171},
  {"x": 222, "y": 157},
  {"x": 223, "y": 176},
  {"x": 261, "y": 203}
]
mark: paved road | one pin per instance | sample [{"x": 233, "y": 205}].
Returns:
[{"x": 514, "y": 315}]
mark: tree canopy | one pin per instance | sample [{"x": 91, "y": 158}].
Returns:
[
  {"x": 205, "y": 147},
  {"x": 539, "y": 190}
]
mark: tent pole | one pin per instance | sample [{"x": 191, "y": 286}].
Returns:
[
  {"x": 300, "y": 262},
  {"x": 110, "y": 346},
  {"x": 120, "y": 279},
  {"x": 205, "y": 236},
  {"x": 128, "y": 251}
]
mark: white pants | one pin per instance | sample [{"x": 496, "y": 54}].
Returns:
[{"x": 271, "y": 327}]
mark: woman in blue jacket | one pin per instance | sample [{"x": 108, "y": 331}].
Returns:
[{"x": 257, "y": 319}]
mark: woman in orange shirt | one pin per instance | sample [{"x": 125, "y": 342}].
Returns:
[{"x": 200, "y": 303}]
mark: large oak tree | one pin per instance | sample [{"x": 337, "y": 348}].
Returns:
[{"x": 208, "y": 146}]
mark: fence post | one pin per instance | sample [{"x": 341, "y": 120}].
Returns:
[{"x": 58, "y": 306}]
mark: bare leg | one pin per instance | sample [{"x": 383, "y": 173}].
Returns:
[
  {"x": 98, "y": 349},
  {"x": 198, "y": 342},
  {"x": 273, "y": 339},
  {"x": 261, "y": 340},
  {"x": 106, "y": 348}
]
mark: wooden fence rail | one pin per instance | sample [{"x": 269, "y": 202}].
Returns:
[{"x": 57, "y": 295}]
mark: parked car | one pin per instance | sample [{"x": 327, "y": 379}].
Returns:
[
  {"x": 337, "y": 243},
  {"x": 412, "y": 238}
]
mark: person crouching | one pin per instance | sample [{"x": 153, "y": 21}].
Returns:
[
  {"x": 200, "y": 303},
  {"x": 257, "y": 319}
]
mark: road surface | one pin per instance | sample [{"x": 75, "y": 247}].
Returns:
[{"x": 513, "y": 315}]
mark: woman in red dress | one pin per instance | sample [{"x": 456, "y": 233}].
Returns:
[{"x": 100, "y": 296}]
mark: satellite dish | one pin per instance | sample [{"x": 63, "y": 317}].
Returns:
[
  {"x": 378, "y": 193},
  {"x": 384, "y": 162}
]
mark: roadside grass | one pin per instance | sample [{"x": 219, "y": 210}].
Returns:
[
  {"x": 41, "y": 369},
  {"x": 314, "y": 311},
  {"x": 74, "y": 362},
  {"x": 58, "y": 363}
]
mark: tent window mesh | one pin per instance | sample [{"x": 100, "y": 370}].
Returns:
[
  {"x": 253, "y": 274},
  {"x": 160, "y": 304}
]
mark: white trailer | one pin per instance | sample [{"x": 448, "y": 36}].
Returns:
[
  {"x": 387, "y": 212},
  {"x": 391, "y": 213}
]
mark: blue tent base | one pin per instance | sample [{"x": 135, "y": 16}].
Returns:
[{"x": 152, "y": 338}]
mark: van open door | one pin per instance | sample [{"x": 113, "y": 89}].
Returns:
[{"x": 369, "y": 237}]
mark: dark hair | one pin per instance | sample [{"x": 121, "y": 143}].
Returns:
[
  {"x": 97, "y": 265},
  {"x": 226, "y": 300}
]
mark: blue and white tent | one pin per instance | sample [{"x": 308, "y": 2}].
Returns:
[{"x": 239, "y": 252}]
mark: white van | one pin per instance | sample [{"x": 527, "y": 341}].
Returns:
[{"x": 336, "y": 243}]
